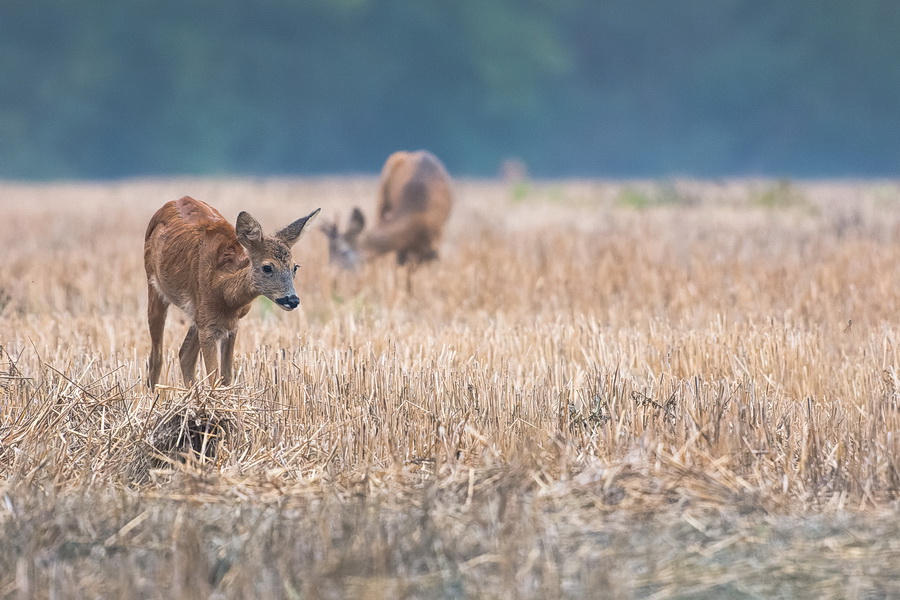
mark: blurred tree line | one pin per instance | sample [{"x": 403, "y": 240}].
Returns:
[{"x": 570, "y": 87}]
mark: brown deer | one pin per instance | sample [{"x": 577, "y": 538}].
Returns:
[
  {"x": 199, "y": 262},
  {"x": 414, "y": 202}
]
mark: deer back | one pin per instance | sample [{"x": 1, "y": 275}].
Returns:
[
  {"x": 415, "y": 188},
  {"x": 187, "y": 244}
]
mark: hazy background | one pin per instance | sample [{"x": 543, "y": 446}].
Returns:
[{"x": 614, "y": 88}]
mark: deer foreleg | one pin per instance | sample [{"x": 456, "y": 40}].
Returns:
[
  {"x": 209, "y": 347},
  {"x": 187, "y": 356},
  {"x": 227, "y": 356},
  {"x": 157, "y": 308}
]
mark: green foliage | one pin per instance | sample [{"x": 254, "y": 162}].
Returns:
[
  {"x": 633, "y": 198},
  {"x": 781, "y": 194},
  {"x": 536, "y": 193},
  {"x": 625, "y": 87},
  {"x": 265, "y": 306},
  {"x": 520, "y": 190},
  {"x": 657, "y": 195}
]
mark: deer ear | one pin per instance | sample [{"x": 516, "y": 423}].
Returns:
[
  {"x": 357, "y": 222},
  {"x": 329, "y": 228},
  {"x": 249, "y": 233},
  {"x": 290, "y": 234}
]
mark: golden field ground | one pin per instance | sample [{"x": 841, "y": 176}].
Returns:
[{"x": 610, "y": 390}]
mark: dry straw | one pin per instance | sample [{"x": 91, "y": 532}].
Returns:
[{"x": 582, "y": 353}]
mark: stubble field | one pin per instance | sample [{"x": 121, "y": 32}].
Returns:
[{"x": 612, "y": 390}]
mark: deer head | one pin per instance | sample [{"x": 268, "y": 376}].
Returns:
[
  {"x": 343, "y": 248},
  {"x": 271, "y": 263}
]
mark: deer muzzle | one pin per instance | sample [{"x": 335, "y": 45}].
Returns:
[{"x": 288, "y": 302}]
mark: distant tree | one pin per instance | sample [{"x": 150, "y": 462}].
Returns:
[{"x": 569, "y": 87}]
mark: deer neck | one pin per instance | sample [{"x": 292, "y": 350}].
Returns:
[
  {"x": 238, "y": 288},
  {"x": 390, "y": 237}
]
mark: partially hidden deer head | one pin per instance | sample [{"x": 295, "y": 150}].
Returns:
[{"x": 343, "y": 248}]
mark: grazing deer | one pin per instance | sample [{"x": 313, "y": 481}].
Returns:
[
  {"x": 197, "y": 261},
  {"x": 414, "y": 201}
]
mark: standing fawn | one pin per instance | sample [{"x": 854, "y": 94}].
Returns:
[
  {"x": 414, "y": 202},
  {"x": 197, "y": 261}
]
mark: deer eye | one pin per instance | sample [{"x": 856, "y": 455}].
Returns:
[
  {"x": 295, "y": 269},
  {"x": 267, "y": 269}
]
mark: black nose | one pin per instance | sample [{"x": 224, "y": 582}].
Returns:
[{"x": 290, "y": 302}]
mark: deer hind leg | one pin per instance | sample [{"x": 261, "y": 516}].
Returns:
[
  {"x": 227, "y": 356},
  {"x": 157, "y": 308},
  {"x": 187, "y": 356},
  {"x": 427, "y": 254}
]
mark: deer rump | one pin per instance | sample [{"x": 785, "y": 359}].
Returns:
[{"x": 413, "y": 206}]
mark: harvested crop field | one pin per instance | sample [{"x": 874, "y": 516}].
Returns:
[{"x": 603, "y": 389}]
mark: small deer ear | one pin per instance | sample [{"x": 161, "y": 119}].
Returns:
[
  {"x": 290, "y": 234},
  {"x": 357, "y": 223},
  {"x": 329, "y": 229},
  {"x": 249, "y": 233}
]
